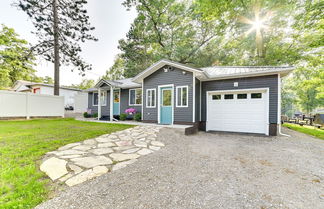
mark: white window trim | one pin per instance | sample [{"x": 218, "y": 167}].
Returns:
[
  {"x": 147, "y": 90},
  {"x": 105, "y": 99},
  {"x": 180, "y": 87},
  {"x": 129, "y": 99}
]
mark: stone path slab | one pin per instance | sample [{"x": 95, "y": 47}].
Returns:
[
  {"x": 78, "y": 162},
  {"x": 54, "y": 168},
  {"x": 93, "y": 161}
]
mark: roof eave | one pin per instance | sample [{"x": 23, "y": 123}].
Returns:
[
  {"x": 139, "y": 78},
  {"x": 52, "y": 86},
  {"x": 252, "y": 74}
]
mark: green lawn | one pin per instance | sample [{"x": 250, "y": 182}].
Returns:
[
  {"x": 310, "y": 130},
  {"x": 22, "y": 145}
]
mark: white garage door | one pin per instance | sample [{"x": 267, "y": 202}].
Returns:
[{"x": 238, "y": 111}]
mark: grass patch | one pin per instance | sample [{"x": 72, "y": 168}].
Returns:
[
  {"x": 22, "y": 145},
  {"x": 310, "y": 130}
]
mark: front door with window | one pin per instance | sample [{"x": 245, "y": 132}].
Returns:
[
  {"x": 166, "y": 105},
  {"x": 116, "y": 102}
]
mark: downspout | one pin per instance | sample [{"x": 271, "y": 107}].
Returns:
[
  {"x": 279, "y": 107},
  {"x": 111, "y": 103}
]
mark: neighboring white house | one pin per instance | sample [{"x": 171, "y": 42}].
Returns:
[{"x": 68, "y": 93}]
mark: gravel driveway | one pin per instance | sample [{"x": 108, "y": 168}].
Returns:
[{"x": 210, "y": 170}]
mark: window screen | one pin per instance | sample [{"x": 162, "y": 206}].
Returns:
[
  {"x": 95, "y": 98},
  {"x": 150, "y": 98},
  {"x": 182, "y": 96},
  {"x": 132, "y": 96}
]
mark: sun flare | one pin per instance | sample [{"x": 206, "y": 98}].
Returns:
[{"x": 258, "y": 25}]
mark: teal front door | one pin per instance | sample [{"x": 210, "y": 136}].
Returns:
[
  {"x": 166, "y": 105},
  {"x": 116, "y": 102}
]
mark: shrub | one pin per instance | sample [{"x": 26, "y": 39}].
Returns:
[
  {"x": 86, "y": 115},
  {"x": 95, "y": 115},
  {"x": 138, "y": 116},
  {"x": 123, "y": 116}
]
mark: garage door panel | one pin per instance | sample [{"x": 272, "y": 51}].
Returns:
[
  {"x": 237, "y": 115},
  {"x": 225, "y": 110}
]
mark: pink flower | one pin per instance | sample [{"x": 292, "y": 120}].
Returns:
[{"x": 130, "y": 111}]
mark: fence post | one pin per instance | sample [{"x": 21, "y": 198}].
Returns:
[
  {"x": 27, "y": 106},
  {"x": 62, "y": 98}
]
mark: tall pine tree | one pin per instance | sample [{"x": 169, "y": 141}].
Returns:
[{"x": 60, "y": 26}]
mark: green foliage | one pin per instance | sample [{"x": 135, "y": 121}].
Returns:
[
  {"x": 24, "y": 143},
  {"x": 85, "y": 84},
  {"x": 116, "y": 71},
  {"x": 206, "y": 32},
  {"x": 168, "y": 29},
  {"x": 138, "y": 116},
  {"x": 310, "y": 130},
  {"x": 294, "y": 36},
  {"x": 123, "y": 116},
  {"x": 47, "y": 80},
  {"x": 288, "y": 97},
  {"x": 73, "y": 27},
  {"x": 86, "y": 115},
  {"x": 16, "y": 62}
]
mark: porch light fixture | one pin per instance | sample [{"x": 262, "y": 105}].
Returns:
[
  {"x": 184, "y": 72},
  {"x": 166, "y": 70}
]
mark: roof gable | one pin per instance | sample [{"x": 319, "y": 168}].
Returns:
[
  {"x": 158, "y": 65},
  {"x": 122, "y": 83}
]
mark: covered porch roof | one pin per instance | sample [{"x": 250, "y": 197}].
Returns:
[{"x": 122, "y": 83}]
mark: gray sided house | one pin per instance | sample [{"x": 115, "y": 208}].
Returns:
[
  {"x": 218, "y": 98},
  {"x": 122, "y": 89}
]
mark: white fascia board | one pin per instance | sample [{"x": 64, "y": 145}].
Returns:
[
  {"x": 252, "y": 74},
  {"x": 102, "y": 81},
  {"x": 160, "y": 64}
]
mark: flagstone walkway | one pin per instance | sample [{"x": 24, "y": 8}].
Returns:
[{"x": 78, "y": 162}]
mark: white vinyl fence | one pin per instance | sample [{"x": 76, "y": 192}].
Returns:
[
  {"x": 81, "y": 102},
  {"x": 18, "y": 104}
]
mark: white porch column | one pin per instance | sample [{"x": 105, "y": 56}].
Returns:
[
  {"x": 99, "y": 103},
  {"x": 111, "y": 103}
]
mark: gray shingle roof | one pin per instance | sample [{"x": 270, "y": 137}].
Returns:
[
  {"x": 121, "y": 83},
  {"x": 128, "y": 83}
]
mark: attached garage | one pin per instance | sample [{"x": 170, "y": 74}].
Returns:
[{"x": 244, "y": 110}]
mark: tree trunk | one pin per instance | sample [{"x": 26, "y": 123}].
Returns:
[{"x": 56, "y": 51}]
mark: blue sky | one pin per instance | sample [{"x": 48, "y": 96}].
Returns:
[{"x": 111, "y": 20}]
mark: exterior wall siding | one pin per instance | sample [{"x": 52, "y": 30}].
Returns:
[
  {"x": 197, "y": 100},
  {"x": 270, "y": 82},
  {"x": 177, "y": 78},
  {"x": 105, "y": 110},
  {"x": 124, "y": 102}
]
